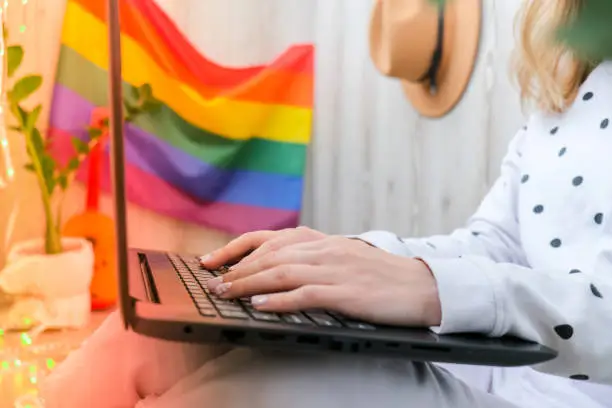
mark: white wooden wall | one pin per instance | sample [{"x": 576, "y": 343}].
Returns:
[{"x": 374, "y": 163}]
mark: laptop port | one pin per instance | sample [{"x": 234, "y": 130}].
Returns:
[
  {"x": 233, "y": 335},
  {"x": 308, "y": 339},
  {"x": 271, "y": 336},
  {"x": 187, "y": 330},
  {"x": 392, "y": 345}
]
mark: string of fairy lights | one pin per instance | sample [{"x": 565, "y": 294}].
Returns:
[
  {"x": 9, "y": 170},
  {"x": 23, "y": 363}
]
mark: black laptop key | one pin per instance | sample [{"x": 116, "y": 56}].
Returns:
[
  {"x": 325, "y": 320},
  {"x": 265, "y": 317},
  {"x": 200, "y": 302},
  {"x": 207, "y": 311},
  {"x": 203, "y": 274},
  {"x": 228, "y": 307},
  {"x": 218, "y": 301},
  {"x": 233, "y": 314},
  {"x": 296, "y": 318}
]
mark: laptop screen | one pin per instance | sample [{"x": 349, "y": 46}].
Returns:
[{"x": 117, "y": 157}]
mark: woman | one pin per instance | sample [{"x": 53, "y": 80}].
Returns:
[{"x": 535, "y": 261}]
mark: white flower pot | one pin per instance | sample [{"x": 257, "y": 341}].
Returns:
[{"x": 49, "y": 290}]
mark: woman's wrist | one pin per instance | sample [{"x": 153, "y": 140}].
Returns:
[{"x": 432, "y": 308}]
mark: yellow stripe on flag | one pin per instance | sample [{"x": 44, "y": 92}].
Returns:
[{"x": 233, "y": 119}]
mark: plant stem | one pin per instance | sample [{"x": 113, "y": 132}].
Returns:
[{"x": 53, "y": 243}]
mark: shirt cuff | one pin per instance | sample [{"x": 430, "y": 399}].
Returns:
[
  {"x": 386, "y": 241},
  {"x": 467, "y": 297}
]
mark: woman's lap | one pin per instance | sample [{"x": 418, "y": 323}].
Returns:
[
  {"x": 115, "y": 369},
  {"x": 247, "y": 378}
]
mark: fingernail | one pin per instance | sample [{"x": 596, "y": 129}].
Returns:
[
  {"x": 222, "y": 288},
  {"x": 214, "y": 282},
  {"x": 204, "y": 258},
  {"x": 259, "y": 300}
]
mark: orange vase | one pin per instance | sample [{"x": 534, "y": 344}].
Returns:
[{"x": 97, "y": 227}]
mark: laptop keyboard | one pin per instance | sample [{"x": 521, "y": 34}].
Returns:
[{"x": 194, "y": 277}]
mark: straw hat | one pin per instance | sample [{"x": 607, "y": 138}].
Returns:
[{"x": 431, "y": 49}]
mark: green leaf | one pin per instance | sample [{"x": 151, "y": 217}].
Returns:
[
  {"x": 129, "y": 108},
  {"x": 33, "y": 118},
  {"x": 38, "y": 143},
  {"x": 135, "y": 91},
  {"x": 29, "y": 167},
  {"x": 20, "y": 114},
  {"x": 152, "y": 105},
  {"x": 80, "y": 146},
  {"x": 73, "y": 164},
  {"x": 24, "y": 116},
  {"x": 589, "y": 33},
  {"x": 62, "y": 181},
  {"x": 94, "y": 132},
  {"x": 14, "y": 58},
  {"x": 146, "y": 92},
  {"x": 25, "y": 87},
  {"x": 48, "y": 165}
]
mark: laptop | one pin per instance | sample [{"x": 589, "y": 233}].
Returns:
[{"x": 164, "y": 295}]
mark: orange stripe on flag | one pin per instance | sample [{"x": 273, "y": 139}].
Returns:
[{"x": 176, "y": 56}]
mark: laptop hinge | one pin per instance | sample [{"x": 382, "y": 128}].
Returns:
[{"x": 147, "y": 278}]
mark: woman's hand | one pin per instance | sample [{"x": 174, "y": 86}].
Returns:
[
  {"x": 253, "y": 245},
  {"x": 337, "y": 274}
]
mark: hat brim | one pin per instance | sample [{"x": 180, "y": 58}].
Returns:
[{"x": 460, "y": 49}]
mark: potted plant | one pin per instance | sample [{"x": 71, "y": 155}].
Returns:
[{"x": 50, "y": 277}]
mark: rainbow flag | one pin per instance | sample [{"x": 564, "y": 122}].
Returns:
[{"x": 228, "y": 147}]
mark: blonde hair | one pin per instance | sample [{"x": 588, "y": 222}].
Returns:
[{"x": 548, "y": 74}]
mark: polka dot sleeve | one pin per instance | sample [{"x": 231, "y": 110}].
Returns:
[{"x": 569, "y": 312}]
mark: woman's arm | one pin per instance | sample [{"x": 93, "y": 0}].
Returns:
[
  {"x": 492, "y": 232},
  {"x": 571, "y": 313}
]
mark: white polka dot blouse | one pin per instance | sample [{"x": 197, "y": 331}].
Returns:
[{"x": 536, "y": 257}]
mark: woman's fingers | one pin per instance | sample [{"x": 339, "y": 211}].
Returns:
[
  {"x": 254, "y": 245},
  {"x": 271, "y": 260},
  {"x": 280, "y": 262},
  {"x": 326, "y": 297},
  {"x": 236, "y": 249},
  {"x": 286, "y": 238},
  {"x": 279, "y": 279}
]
